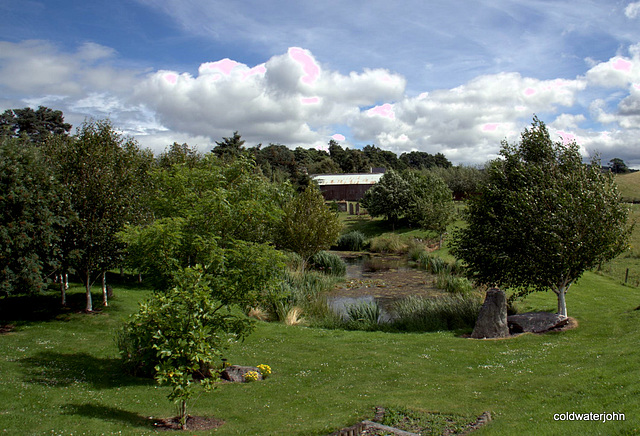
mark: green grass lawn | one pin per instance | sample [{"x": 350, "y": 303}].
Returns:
[{"x": 60, "y": 374}]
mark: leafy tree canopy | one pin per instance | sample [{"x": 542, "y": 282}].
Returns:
[
  {"x": 618, "y": 166},
  {"x": 36, "y": 125},
  {"x": 421, "y": 197},
  {"x": 542, "y": 219},
  {"x": 104, "y": 175},
  {"x": 33, "y": 214},
  {"x": 200, "y": 212},
  {"x": 308, "y": 225}
]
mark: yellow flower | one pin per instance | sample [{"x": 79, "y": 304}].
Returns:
[
  {"x": 265, "y": 370},
  {"x": 251, "y": 376}
]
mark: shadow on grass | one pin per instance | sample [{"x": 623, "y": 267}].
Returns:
[
  {"x": 107, "y": 413},
  {"x": 26, "y": 309},
  {"x": 50, "y": 368},
  {"x": 47, "y": 306}
]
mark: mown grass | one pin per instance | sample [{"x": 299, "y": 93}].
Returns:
[
  {"x": 60, "y": 372},
  {"x": 61, "y": 375}
]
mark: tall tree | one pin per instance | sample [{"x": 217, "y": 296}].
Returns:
[
  {"x": 542, "y": 219},
  {"x": 430, "y": 203},
  {"x": 618, "y": 166},
  {"x": 36, "y": 125},
  {"x": 389, "y": 197},
  {"x": 179, "y": 154},
  {"x": 308, "y": 225},
  {"x": 420, "y": 160},
  {"x": 230, "y": 147},
  {"x": 33, "y": 214},
  {"x": 104, "y": 174},
  {"x": 383, "y": 158},
  {"x": 199, "y": 213}
]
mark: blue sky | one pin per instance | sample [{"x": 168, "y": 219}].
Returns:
[{"x": 455, "y": 77}]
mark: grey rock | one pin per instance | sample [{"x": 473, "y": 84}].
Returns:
[
  {"x": 535, "y": 322},
  {"x": 492, "y": 320},
  {"x": 235, "y": 373}
]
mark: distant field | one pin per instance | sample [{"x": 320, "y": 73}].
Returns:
[{"x": 629, "y": 186}]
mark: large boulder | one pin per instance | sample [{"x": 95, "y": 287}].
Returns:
[
  {"x": 492, "y": 320},
  {"x": 535, "y": 322},
  {"x": 235, "y": 373}
]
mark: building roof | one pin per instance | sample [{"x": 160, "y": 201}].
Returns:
[{"x": 346, "y": 179}]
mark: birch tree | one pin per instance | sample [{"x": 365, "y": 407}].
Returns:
[
  {"x": 103, "y": 173},
  {"x": 542, "y": 219}
]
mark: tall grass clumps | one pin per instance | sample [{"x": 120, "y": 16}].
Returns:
[
  {"x": 447, "y": 312},
  {"x": 416, "y": 251},
  {"x": 453, "y": 284},
  {"x": 390, "y": 243},
  {"x": 365, "y": 312},
  {"x": 300, "y": 290},
  {"x": 328, "y": 263},
  {"x": 352, "y": 241},
  {"x": 437, "y": 265}
]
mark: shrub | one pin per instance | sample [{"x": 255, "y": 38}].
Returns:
[
  {"x": 178, "y": 334},
  {"x": 328, "y": 263},
  {"x": 447, "y": 312},
  {"x": 352, "y": 241},
  {"x": 388, "y": 243}
]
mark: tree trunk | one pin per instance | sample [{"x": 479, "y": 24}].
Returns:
[
  {"x": 63, "y": 290},
  {"x": 183, "y": 414},
  {"x": 562, "y": 302},
  {"x": 105, "y": 300},
  {"x": 89, "y": 307}
]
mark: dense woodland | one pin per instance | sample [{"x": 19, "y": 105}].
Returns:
[{"x": 92, "y": 201}]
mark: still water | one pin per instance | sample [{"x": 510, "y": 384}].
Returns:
[{"x": 380, "y": 279}]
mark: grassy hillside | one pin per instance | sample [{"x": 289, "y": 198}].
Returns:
[{"x": 629, "y": 186}]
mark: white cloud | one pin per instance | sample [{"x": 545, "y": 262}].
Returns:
[
  {"x": 294, "y": 99},
  {"x": 617, "y": 72},
  {"x": 290, "y": 99},
  {"x": 632, "y": 10}
]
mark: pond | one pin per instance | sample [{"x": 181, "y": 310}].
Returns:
[{"x": 383, "y": 279}]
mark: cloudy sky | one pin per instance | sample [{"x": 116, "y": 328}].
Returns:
[{"x": 455, "y": 76}]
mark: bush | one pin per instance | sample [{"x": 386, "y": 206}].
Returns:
[
  {"x": 388, "y": 243},
  {"x": 447, "y": 312},
  {"x": 352, "y": 241},
  {"x": 328, "y": 263}
]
